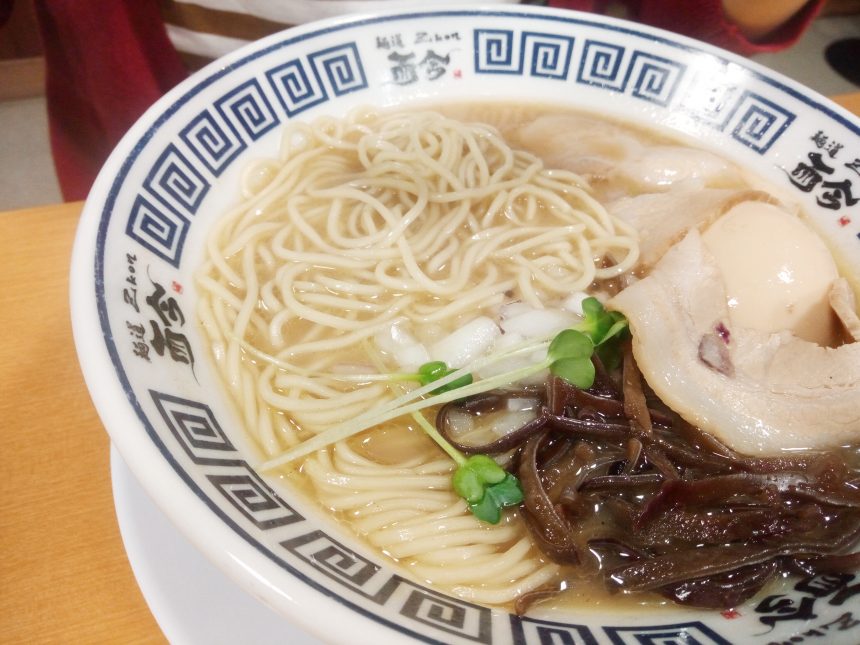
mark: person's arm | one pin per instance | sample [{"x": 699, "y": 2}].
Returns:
[
  {"x": 106, "y": 62},
  {"x": 760, "y": 18},
  {"x": 760, "y": 30},
  {"x": 743, "y": 26}
]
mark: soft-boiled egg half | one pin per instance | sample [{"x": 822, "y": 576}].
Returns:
[{"x": 777, "y": 271}]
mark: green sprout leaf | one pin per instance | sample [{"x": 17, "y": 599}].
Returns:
[
  {"x": 601, "y": 327},
  {"x": 576, "y": 371},
  {"x": 468, "y": 485},
  {"x": 498, "y": 496},
  {"x": 487, "y": 510},
  {"x": 486, "y": 487},
  {"x": 570, "y": 352},
  {"x": 473, "y": 477},
  {"x": 598, "y": 324},
  {"x": 595, "y": 323},
  {"x": 507, "y": 492},
  {"x": 570, "y": 343},
  {"x": 619, "y": 326},
  {"x": 434, "y": 370}
]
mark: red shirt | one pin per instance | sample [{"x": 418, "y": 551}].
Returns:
[
  {"x": 702, "y": 19},
  {"x": 108, "y": 60}
]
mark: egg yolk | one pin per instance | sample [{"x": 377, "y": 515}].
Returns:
[{"x": 777, "y": 272}]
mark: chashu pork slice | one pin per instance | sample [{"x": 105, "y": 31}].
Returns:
[
  {"x": 577, "y": 142},
  {"x": 845, "y": 306},
  {"x": 760, "y": 393}
]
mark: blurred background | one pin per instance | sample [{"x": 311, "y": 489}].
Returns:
[{"x": 827, "y": 59}]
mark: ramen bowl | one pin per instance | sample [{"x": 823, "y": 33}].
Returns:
[{"x": 141, "y": 238}]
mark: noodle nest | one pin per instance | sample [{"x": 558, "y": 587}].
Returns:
[{"x": 379, "y": 219}]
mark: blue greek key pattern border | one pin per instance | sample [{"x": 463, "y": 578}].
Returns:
[
  {"x": 600, "y": 65},
  {"x": 750, "y": 118},
  {"x": 172, "y": 192},
  {"x": 528, "y": 630},
  {"x": 213, "y": 139},
  {"x": 248, "y": 110},
  {"x": 757, "y": 122},
  {"x": 158, "y": 228},
  {"x": 195, "y": 429},
  {"x": 653, "y": 78},
  {"x": 500, "y": 51},
  {"x": 412, "y": 601},
  {"x": 192, "y": 428},
  {"x": 753, "y": 120},
  {"x": 303, "y": 83},
  {"x": 692, "y": 632},
  {"x": 215, "y": 143},
  {"x": 176, "y": 182}
]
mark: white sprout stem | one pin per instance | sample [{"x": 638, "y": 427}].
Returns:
[
  {"x": 401, "y": 405},
  {"x": 350, "y": 378},
  {"x": 477, "y": 364},
  {"x": 436, "y": 436},
  {"x": 429, "y": 429}
]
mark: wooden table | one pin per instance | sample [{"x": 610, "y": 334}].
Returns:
[{"x": 64, "y": 576}]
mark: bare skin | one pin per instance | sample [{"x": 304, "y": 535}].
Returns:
[{"x": 760, "y": 18}]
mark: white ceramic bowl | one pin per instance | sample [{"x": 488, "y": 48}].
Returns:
[{"x": 175, "y": 172}]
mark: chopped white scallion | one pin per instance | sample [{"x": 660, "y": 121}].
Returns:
[{"x": 466, "y": 343}]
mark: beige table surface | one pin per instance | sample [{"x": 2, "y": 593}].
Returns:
[{"x": 64, "y": 575}]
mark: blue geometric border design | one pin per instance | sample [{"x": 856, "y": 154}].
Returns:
[
  {"x": 345, "y": 567},
  {"x": 499, "y": 51},
  {"x": 215, "y": 144},
  {"x": 529, "y": 630},
  {"x": 447, "y": 613},
  {"x": 296, "y": 89},
  {"x": 247, "y": 110},
  {"x": 601, "y": 65},
  {"x": 549, "y": 54},
  {"x": 649, "y": 77},
  {"x": 196, "y": 430},
  {"x": 692, "y": 633},
  {"x": 757, "y": 122},
  {"x": 654, "y": 78},
  {"x": 301, "y": 84},
  {"x": 341, "y": 564},
  {"x": 253, "y": 498},
  {"x": 339, "y": 68},
  {"x": 158, "y": 228},
  {"x": 176, "y": 182}
]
